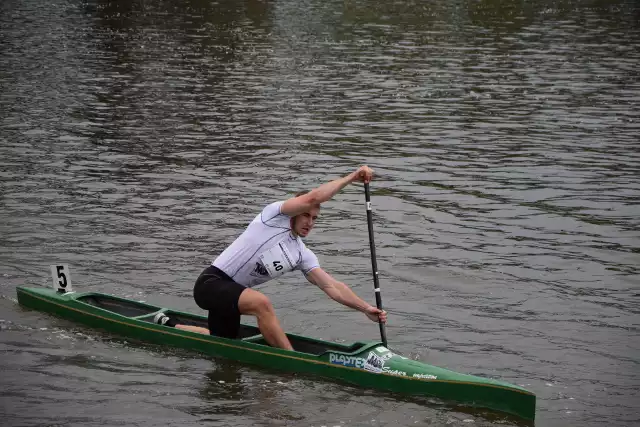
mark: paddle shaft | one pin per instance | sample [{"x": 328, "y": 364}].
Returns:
[{"x": 374, "y": 264}]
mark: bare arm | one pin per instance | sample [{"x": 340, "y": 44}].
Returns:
[
  {"x": 319, "y": 195},
  {"x": 341, "y": 293}
]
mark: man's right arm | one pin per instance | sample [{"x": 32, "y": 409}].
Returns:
[{"x": 317, "y": 196}]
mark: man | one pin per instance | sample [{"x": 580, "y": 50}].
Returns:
[{"x": 269, "y": 247}]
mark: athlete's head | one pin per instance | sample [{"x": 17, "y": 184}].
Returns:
[{"x": 303, "y": 223}]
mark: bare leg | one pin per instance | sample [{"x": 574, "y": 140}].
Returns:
[
  {"x": 257, "y": 304},
  {"x": 196, "y": 329}
]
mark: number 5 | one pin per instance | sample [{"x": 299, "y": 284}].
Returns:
[{"x": 61, "y": 278}]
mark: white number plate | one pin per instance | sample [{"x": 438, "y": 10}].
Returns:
[{"x": 61, "y": 278}]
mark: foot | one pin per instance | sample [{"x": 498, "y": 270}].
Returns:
[{"x": 161, "y": 319}]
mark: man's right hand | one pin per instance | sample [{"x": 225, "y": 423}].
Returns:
[{"x": 363, "y": 174}]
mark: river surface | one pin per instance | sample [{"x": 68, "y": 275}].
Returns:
[{"x": 138, "y": 138}]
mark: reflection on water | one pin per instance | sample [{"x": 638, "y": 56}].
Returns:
[
  {"x": 225, "y": 391},
  {"x": 138, "y": 138},
  {"x": 231, "y": 389}
]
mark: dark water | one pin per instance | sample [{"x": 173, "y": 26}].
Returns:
[{"x": 137, "y": 138}]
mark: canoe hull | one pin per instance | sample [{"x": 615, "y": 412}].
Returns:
[{"x": 367, "y": 364}]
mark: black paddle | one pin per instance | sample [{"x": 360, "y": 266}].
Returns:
[{"x": 374, "y": 264}]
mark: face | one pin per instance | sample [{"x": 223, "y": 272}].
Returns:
[{"x": 302, "y": 224}]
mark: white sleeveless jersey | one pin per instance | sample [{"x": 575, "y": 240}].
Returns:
[{"x": 265, "y": 250}]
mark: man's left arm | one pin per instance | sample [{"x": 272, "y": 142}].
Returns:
[{"x": 341, "y": 293}]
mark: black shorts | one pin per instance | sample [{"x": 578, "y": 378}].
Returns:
[{"x": 218, "y": 293}]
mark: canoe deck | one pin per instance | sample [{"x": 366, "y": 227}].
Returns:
[{"x": 367, "y": 364}]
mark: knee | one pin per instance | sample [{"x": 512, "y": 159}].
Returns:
[
  {"x": 257, "y": 304},
  {"x": 263, "y": 306}
]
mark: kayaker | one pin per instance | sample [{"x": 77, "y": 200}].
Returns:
[{"x": 270, "y": 246}]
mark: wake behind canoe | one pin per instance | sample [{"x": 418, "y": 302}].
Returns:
[{"x": 367, "y": 364}]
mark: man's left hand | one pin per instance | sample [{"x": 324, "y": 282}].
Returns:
[{"x": 376, "y": 315}]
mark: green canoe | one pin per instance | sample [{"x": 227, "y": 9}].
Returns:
[{"x": 367, "y": 364}]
